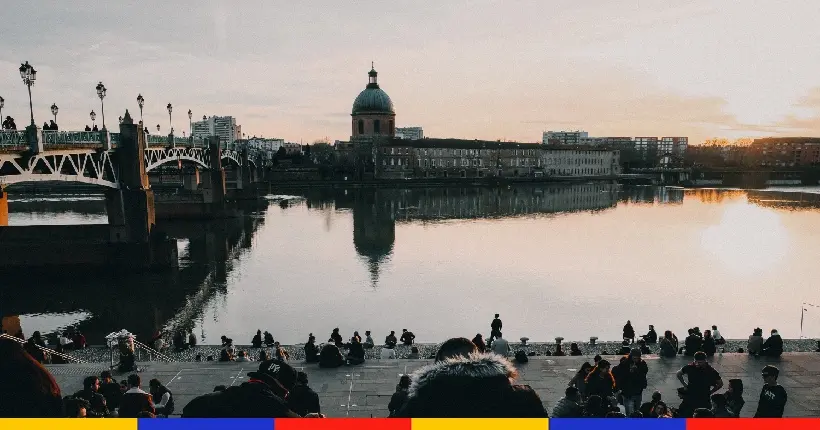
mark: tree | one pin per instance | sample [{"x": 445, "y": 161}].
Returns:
[
  {"x": 281, "y": 152},
  {"x": 306, "y": 151}
]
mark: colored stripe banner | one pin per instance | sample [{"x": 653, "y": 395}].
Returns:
[{"x": 410, "y": 424}]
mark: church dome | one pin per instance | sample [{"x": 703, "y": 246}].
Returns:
[{"x": 373, "y": 100}]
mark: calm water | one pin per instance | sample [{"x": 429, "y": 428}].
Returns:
[{"x": 572, "y": 261}]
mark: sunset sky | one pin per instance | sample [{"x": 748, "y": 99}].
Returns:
[{"x": 470, "y": 69}]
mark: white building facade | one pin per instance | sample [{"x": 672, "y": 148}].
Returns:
[
  {"x": 563, "y": 137},
  {"x": 223, "y": 126}
]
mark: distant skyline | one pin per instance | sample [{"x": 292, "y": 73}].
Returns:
[{"x": 468, "y": 69}]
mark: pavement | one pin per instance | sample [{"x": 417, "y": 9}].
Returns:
[{"x": 365, "y": 390}]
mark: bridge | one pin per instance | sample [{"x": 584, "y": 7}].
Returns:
[{"x": 119, "y": 163}]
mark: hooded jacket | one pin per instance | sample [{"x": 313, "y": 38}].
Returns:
[{"x": 477, "y": 386}]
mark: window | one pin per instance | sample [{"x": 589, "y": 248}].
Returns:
[
  {"x": 377, "y": 126},
  {"x": 361, "y": 127}
]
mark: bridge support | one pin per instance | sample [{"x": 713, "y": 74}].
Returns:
[
  {"x": 131, "y": 207},
  {"x": 4, "y": 207},
  {"x": 213, "y": 179}
]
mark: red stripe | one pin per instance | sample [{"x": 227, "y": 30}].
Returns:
[{"x": 341, "y": 424}]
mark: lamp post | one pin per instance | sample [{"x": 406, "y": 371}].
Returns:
[
  {"x": 2, "y": 103},
  {"x": 54, "y": 110},
  {"x": 157, "y": 128},
  {"x": 140, "y": 103},
  {"x": 170, "y": 109},
  {"x": 101, "y": 94},
  {"x": 93, "y": 118},
  {"x": 29, "y": 75},
  {"x": 191, "y": 123}
]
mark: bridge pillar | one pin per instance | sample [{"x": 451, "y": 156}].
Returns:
[
  {"x": 190, "y": 181},
  {"x": 213, "y": 179},
  {"x": 131, "y": 207},
  {"x": 4, "y": 207},
  {"x": 34, "y": 137}
]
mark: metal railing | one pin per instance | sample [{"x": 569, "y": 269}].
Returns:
[
  {"x": 13, "y": 138},
  {"x": 44, "y": 349},
  {"x": 151, "y": 351},
  {"x": 73, "y": 137}
]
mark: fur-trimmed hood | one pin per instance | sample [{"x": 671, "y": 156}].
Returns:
[
  {"x": 477, "y": 365},
  {"x": 480, "y": 385}
]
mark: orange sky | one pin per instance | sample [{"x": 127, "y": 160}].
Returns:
[{"x": 471, "y": 69}]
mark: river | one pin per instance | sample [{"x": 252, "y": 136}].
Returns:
[{"x": 554, "y": 260}]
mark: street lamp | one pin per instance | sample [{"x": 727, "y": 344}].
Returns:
[
  {"x": 54, "y": 110},
  {"x": 2, "y": 103},
  {"x": 29, "y": 75},
  {"x": 93, "y": 118},
  {"x": 157, "y": 128},
  {"x": 191, "y": 122},
  {"x": 101, "y": 94},
  {"x": 170, "y": 109},
  {"x": 140, "y": 103},
  {"x": 120, "y": 119}
]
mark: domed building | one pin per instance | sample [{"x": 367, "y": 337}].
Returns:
[{"x": 373, "y": 113}]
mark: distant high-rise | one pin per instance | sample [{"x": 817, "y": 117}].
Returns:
[
  {"x": 223, "y": 126},
  {"x": 410, "y": 133},
  {"x": 563, "y": 137}
]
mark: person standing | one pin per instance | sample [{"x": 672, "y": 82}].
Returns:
[
  {"x": 719, "y": 340},
  {"x": 191, "y": 339},
  {"x": 600, "y": 383},
  {"x": 630, "y": 378},
  {"x": 478, "y": 340},
  {"x": 495, "y": 327},
  {"x": 256, "y": 341},
  {"x": 629, "y": 331},
  {"x": 407, "y": 337},
  {"x": 773, "y": 396},
  {"x": 703, "y": 381}
]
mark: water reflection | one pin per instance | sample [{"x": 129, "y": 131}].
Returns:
[{"x": 560, "y": 246}]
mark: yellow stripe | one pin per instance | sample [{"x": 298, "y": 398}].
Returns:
[
  {"x": 68, "y": 423},
  {"x": 479, "y": 424}
]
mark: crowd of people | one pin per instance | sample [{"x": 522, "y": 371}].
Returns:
[{"x": 469, "y": 378}]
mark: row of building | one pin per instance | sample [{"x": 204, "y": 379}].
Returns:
[
  {"x": 763, "y": 152},
  {"x": 651, "y": 150}
]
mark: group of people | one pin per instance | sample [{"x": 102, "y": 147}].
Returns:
[
  {"x": 36, "y": 345},
  {"x": 87, "y": 128},
  {"x": 9, "y": 124},
  {"x": 50, "y": 126}
]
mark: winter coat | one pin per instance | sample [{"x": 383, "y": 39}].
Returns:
[
  {"x": 477, "y": 386},
  {"x": 630, "y": 383},
  {"x": 566, "y": 408}
]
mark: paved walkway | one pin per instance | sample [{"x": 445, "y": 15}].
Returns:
[{"x": 364, "y": 391}]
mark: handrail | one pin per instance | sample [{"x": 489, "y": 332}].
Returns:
[
  {"x": 42, "y": 348},
  {"x": 154, "y": 351}
]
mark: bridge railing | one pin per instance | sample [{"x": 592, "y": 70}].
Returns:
[
  {"x": 73, "y": 138},
  {"x": 13, "y": 140}
]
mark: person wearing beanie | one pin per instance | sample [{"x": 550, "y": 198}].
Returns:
[
  {"x": 703, "y": 381},
  {"x": 630, "y": 378},
  {"x": 773, "y": 396}
]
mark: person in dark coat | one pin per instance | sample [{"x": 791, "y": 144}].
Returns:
[
  {"x": 302, "y": 399},
  {"x": 256, "y": 342},
  {"x": 734, "y": 397},
  {"x": 709, "y": 346},
  {"x": 337, "y": 338},
  {"x": 111, "y": 390},
  {"x": 629, "y": 331},
  {"x": 495, "y": 327},
  {"x": 400, "y": 396},
  {"x": 407, "y": 337},
  {"x": 262, "y": 396},
  {"x": 269, "y": 339},
  {"x": 600, "y": 382},
  {"x": 692, "y": 344},
  {"x": 391, "y": 340},
  {"x": 33, "y": 345},
  {"x": 773, "y": 347},
  {"x": 773, "y": 396},
  {"x": 651, "y": 337},
  {"x": 96, "y": 401},
  {"x": 330, "y": 356},
  {"x": 478, "y": 341},
  {"x": 27, "y": 389},
  {"x": 311, "y": 351},
  {"x": 630, "y": 378},
  {"x": 355, "y": 353}
]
